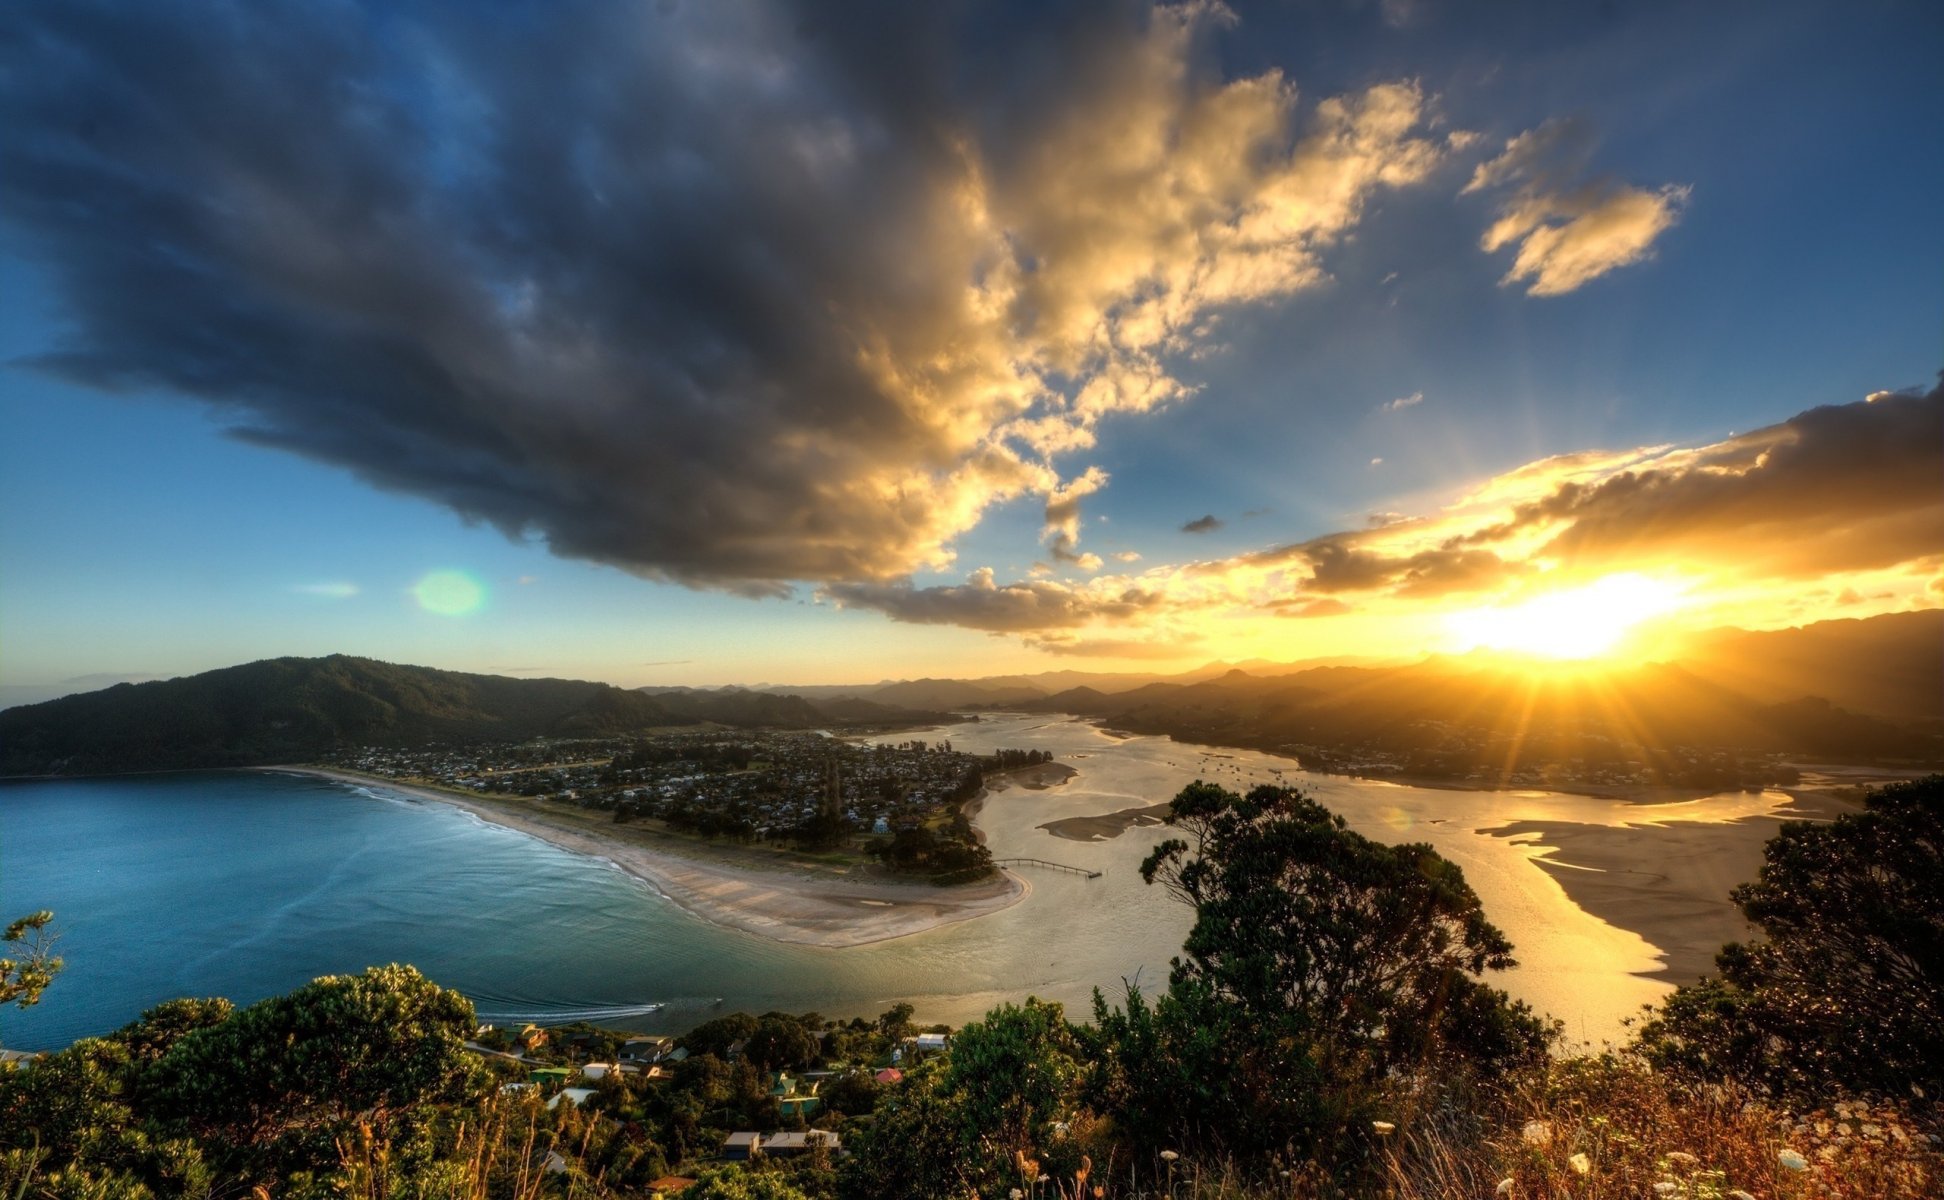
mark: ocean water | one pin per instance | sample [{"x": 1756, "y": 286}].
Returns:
[{"x": 246, "y": 884}]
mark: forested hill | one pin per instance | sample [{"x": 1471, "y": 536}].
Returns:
[{"x": 292, "y": 709}]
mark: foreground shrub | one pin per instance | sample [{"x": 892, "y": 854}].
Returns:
[{"x": 1847, "y": 992}]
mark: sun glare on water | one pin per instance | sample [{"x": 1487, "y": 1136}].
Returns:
[{"x": 1580, "y": 623}]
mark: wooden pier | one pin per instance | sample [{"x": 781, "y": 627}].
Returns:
[{"x": 1040, "y": 862}]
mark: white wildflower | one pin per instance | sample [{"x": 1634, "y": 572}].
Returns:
[
  {"x": 1666, "y": 1188},
  {"x": 1582, "y": 1164},
  {"x": 1792, "y": 1161},
  {"x": 1537, "y": 1134},
  {"x": 1738, "y": 1194},
  {"x": 1504, "y": 1187},
  {"x": 1169, "y": 1156},
  {"x": 1383, "y": 1128}
]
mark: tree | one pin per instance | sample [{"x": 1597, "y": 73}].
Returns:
[
  {"x": 281, "y": 1080},
  {"x": 914, "y": 1147},
  {"x": 1322, "y": 968},
  {"x": 1015, "y": 1074},
  {"x": 1353, "y": 946},
  {"x": 22, "y": 980},
  {"x": 1847, "y": 991},
  {"x": 781, "y": 1043}
]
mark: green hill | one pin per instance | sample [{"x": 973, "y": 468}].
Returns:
[{"x": 285, "y": 709}]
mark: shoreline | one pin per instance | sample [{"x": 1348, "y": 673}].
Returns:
[{"x": 795, "y": 907}]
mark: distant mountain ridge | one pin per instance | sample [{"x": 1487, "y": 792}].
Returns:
[
  {"x": 292, "y": 709},
  {"x": 1868, "y": 690}
]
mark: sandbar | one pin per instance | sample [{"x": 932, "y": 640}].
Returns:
[
  {"x": 1106, "y": 826},
  {"x": 803, "y": 906},
  {"x": 1038, "y": 777},
  {"x": 1669, "y": 883}
]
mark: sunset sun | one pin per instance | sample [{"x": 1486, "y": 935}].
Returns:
[{"x": 1578, "y": 623}]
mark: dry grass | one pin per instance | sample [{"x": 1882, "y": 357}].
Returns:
[
  {"x": 1601, "y": 1128},
  {"x": 1605, "y": 1128}
]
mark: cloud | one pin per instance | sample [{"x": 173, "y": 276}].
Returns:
[
  {"x": 1842, "y": 487},
  {"x": 1823, "y": 499},
  {"x": 1323, "y": 606},
  {"x": 1377, "y": 462},
  {"x": 326, "y": 591},
  {"x": 1203, "y": 524},
  {"x": 1127, "y": 556},
  {"x": 1569, "y": 232},
  {"x": 1078, "y": 647},
  {"x": 980, "y": 603},
  {"x": 731, "y": 295},
  {"x": 1062, "y": 532},
  {"x": 1402, "y": 403}
]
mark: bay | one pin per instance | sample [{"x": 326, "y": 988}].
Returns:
[{"x": 245, "y": 884}]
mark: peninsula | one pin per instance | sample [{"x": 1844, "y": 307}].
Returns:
[{"x": 784, "y": 896}]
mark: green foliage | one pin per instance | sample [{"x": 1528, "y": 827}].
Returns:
[
  {"x": 157, "y": 1030},
  {"x": 22, "y": 980},
  {"x": 734, "y": 1183},
  {"x": 914, "y": 1149},
  {"x": 715, "y": 1037},
  {"x": 1352, "y": 948},
  {"x": 280, "y": 1082},
  {"x": 1006, "y": 1094},
  {"x": 781, "y": 1043},
  {"x": 1015, "y": 1075},
  {"x": 1322, "y": 969},
  {"x": 1847, "y": 991}
]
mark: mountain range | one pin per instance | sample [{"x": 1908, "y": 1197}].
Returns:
[{"x": 1853, "y": 690}]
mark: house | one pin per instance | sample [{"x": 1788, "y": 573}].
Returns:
[
  {"x": 735, "y": 1049},
  {"x": 531, "y": 1038},
  {"x": 928, "y": 1042},
  {"x": 889, "y": 1075},
  {"x": 742, "y": 1145},
  {"x": 787, "y": 1145},
  {"x": 793, "y": 1098},
  {"x": 669, "y": 1185},
  {"x": 599, "y": 1070},
  {"x": 646, "y": 1049},
  {"x": 550, "y": 1075},
  {"x": 573, "y": 1096}
]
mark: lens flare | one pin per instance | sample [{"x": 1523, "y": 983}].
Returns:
[{"x": 449, "y": 593}]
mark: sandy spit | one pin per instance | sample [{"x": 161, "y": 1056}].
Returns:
[{"x": 780, "y": 904}]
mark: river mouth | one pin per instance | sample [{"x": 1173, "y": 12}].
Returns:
[
  {"x": 247, "y": 884},
  {"x": 1609, "y": 901}
]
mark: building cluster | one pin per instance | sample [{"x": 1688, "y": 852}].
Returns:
[
  {"x": 751, "y": 786},
  {"x": 576, "y": 1064}
]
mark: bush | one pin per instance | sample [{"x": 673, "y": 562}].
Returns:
[{"x": 1847, "y": 992}]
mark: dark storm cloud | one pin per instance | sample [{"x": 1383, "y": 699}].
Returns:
[
  {"x": 981, "y": 603},
  {"x": 1206, "y": 524},
  {"x": 733, "y": 294},
  {"x": 1839, "y": 487}
]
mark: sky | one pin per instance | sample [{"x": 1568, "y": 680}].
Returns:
[{"x": 675, "y": 343}]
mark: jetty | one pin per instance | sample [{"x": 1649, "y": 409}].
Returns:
[{"x": 1040, "y": 862}]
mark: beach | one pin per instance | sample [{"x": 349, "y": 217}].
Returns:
[{"x": 811, "y": 907}]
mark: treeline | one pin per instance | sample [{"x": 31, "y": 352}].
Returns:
[{"x": 1013, "y": 760}]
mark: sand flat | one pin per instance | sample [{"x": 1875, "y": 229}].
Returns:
[{"x": 785, "y": 905}]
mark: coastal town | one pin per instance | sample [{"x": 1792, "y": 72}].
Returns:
[{"x": 902, "y": 802}]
